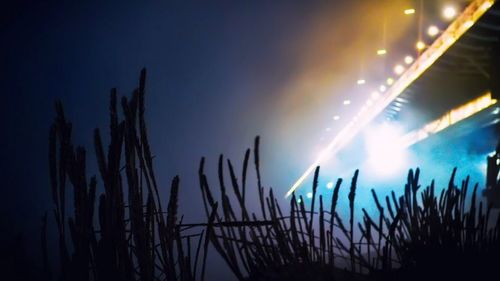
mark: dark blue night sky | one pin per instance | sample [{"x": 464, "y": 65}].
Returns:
[
  {"x": 218, "y": 75},
  {"x": 214, "y": 72}
]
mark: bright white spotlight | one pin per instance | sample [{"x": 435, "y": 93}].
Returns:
[
  {"x": 336, "y": 117},
  {"x": 399, "y": 69},
  {"x": 361, "y": 82},
  {"x": 433, "y": 31},
  {"x": 381, "y": 52},
  {"x": 386, "y": 153},
  {"x": 390, "y": 81},
  {"x": 309, "y": 195},
  {"x": 409, "y": 59},
  {"x": 409, "y": 11},
  {"x": 449, "y": 12},
  {"x": 420, "y": 45},
  {"x": 329, "y": 185},
  {"x": 382, "y": 88},
  {"x": 347, "y": 102}
]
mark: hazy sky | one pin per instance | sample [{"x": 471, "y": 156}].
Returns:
[{"x": 218, "y": 75}]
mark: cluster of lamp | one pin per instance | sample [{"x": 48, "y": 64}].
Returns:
[
  {"x": 348, "y": 132},
  {"x": 449, "y": 13}
]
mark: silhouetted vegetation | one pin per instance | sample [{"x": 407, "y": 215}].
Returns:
[{"x": 126, "y": 234}]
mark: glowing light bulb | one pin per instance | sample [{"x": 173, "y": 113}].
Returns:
[
  {"x": 382, "y": 88},
  {"x": 420, "y": 45},
  {"x": 347, "y": 102},
  {"x": 399, "y": 69},
  {"x": 433, "y": 30},
  {"x": 381, "y": 52},
  {"x": 309, "y": 195},
  {"x": 409, "y": 59},
  {"x": 410, "y": 11},
  {"x": 361, "y": 81},
  {"x": 329, "y": 185},
  {"x": 390, "y": 81},
  {"x": 449, "y": 12},
  {"x": 336, "y": 117}
]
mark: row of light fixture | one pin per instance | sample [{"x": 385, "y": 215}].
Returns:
[{"x": 449, "y": 13}]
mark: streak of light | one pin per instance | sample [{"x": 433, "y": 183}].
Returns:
[{"x": 451, "y": 117}]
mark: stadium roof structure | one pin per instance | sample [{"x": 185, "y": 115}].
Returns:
[
  {"x": 469, "y": 69},
  {"x": 454, "y": 79}
]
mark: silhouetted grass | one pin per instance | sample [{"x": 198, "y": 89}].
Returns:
[
  {"x": 418, "y": 235},
  {"x": 124, "y": 233}
]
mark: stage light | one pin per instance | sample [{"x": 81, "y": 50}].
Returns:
[
  {"x": 375, "y": 95},
  {"x": 420, "y": 45},
  {"x": 381, "y": 52},
  {"x": 336, "y": 117},
  {"x": 450, "y": 118},
  {"x": 386, "y": 153},
  {"x": 329, "y": 185},
  {"x": 382, "y": 88},
  {"x": 309, "y": 195},
  {"x": 468, "y": 24},
  {"x": 449, "y": 12},
  {"x": 453, "y": 32},
  {"x": 409, "y": 59},
  {"x": 409, "y": 11},
  {"x": 486, "y": 5},
  {"x": 496, "y": 110},
  {"x": 433, "y": 31},
  {"x": 361, "y": 81},
  {"x": 390, "y": 81},
  {"x": 347, "y": 102},
  {"x": 399, "y": 69}
]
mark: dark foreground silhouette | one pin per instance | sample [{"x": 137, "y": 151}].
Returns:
[{"x": 125, "y": 233}]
